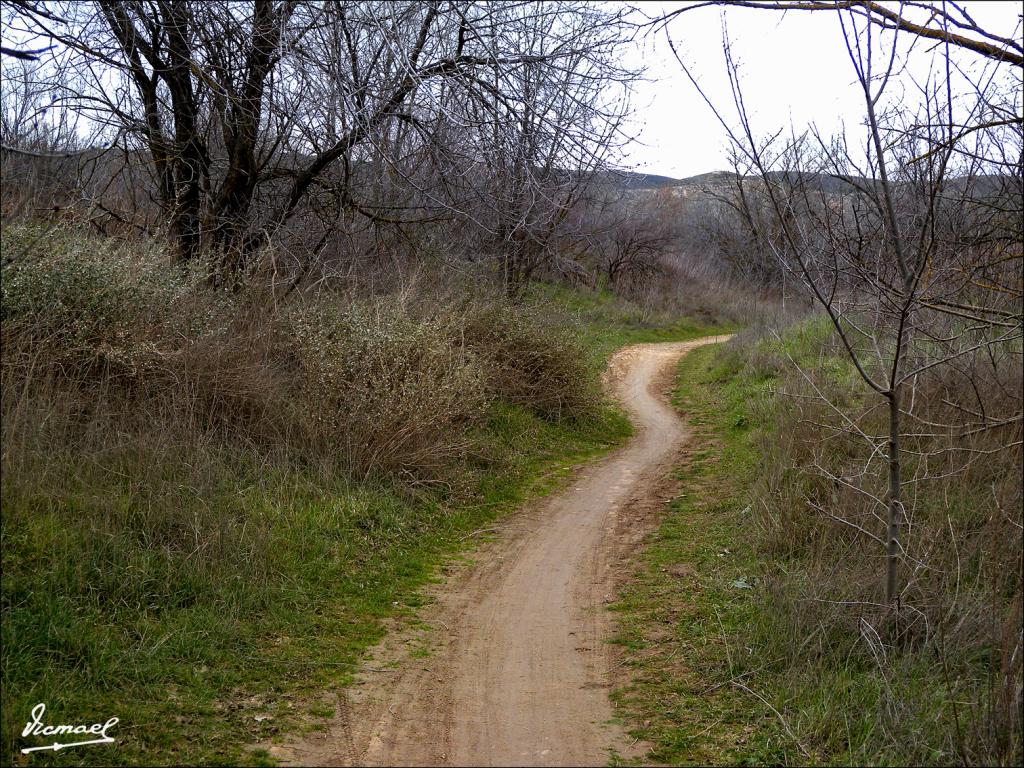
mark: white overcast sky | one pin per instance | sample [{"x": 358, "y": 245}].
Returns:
[{"x": 795, "y": 69}]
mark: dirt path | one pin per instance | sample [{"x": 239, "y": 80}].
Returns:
[{"x": 518, "y": 669}]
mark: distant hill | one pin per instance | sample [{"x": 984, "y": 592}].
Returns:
[
  {"x": 982, "y": 186},
  {"x": 713, "y": 179},
  {"x": 718, "y": 179},
  {"x": 631, "y": 180}
]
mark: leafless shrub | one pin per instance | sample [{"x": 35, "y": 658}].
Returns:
[
  {"x": 530, "y": 360},
  {"x": 390, "y": 385}
]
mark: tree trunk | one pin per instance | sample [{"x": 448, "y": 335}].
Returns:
[
  {"x": 895, "y": 503},
  {"x": 188, "y": 160}
]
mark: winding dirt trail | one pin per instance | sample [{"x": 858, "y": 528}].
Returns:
[{"x": 518, "y": 668}]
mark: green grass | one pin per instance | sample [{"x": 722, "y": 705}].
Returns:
[
  {"x": 257, "y": 585},
  {"x": 609, "y": 322},
  {"x": 733, "y": 659},
  {"x": 188, "y": 659},
  {"x": 693, "y": 595}
]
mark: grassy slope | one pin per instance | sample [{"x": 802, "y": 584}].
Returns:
[
  {"x": 609, "y": 323},
  {"x": 719, "y": 676},
  {"x": 707, "y": 689},
  {"x": 690, "y": 597},
  {"x": 217, "y": 661}
]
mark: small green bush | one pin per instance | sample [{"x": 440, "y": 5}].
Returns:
[
  {"x": 394, "y": 391},
  {"x": 532, "y": 359},
  {"x": 84, "y": 298}
]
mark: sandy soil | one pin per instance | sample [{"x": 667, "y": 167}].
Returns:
[{"x": 517, "y": 669}]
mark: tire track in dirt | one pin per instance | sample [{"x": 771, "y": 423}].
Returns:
[{"x": 519, "y": 668}]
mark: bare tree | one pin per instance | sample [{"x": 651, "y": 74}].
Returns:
[
  {"x": 262, "y": 115},
  {"x": 915, "y": 257},
  {"x": 630, "y": 233}
]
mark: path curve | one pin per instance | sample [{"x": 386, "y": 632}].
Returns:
[{"x": 518, "y": 668}]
